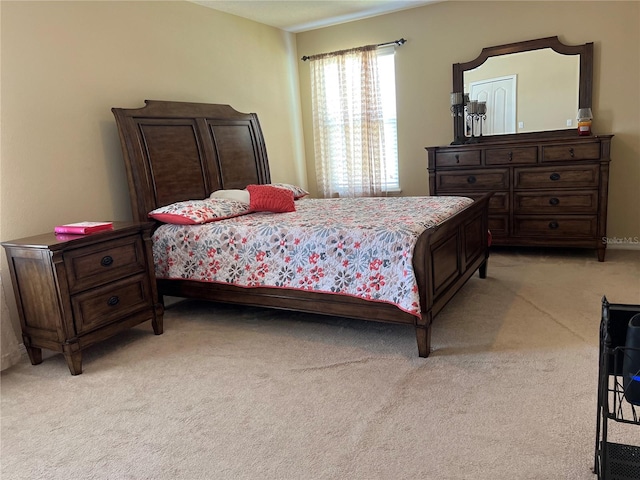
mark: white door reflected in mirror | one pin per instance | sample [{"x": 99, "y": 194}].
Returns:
[{"x": 500, "y": 96}]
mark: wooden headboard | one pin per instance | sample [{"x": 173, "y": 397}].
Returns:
[{"x": 177, "y": 151}]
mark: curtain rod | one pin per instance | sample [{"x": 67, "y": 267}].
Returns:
[{"x": 402, "y": 41}]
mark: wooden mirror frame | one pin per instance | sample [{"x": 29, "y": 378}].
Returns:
[{"x": 585, "y": 51}]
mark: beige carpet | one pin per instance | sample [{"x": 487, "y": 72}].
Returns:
[{"x": 509, "y": 391}]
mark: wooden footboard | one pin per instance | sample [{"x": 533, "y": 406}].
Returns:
[{"x": 445, "y": 258}]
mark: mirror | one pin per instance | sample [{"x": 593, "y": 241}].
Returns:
[{"x": 529, "y": 87}]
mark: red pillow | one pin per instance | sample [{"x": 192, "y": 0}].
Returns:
[{"x": 267, "y": 198}]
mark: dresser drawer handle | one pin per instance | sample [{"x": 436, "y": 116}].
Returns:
[
  {"x": 457, "y": 158},
  {"x": 471, "y": 179},
  {"x": 553, "y": 225},
  {"x": 554, "y": 177},
  {"x": 106, "y": 261},
  {"x": 571, "y": 152},
  {"x": 510, "y": 156},
  {"x": 113, "y": 301},
  {"x": 554, "y": 201}
]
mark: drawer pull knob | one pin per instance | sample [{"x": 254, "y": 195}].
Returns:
[
  {"x": 510, "y": 156},
  {"x": 554, "y": 201},
  {"x": 457, "y": 158},
  {"x": 113, "y": 301},
  {"x": 554, "y": 177},
  {"x": 471, "y": 179},
  {"x": 571, "y": 152},
  {"x": 106, "y": 261},
  {"x": 553, "y": 225}
]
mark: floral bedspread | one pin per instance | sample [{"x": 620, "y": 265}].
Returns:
[{"x": 360, "y": 247}]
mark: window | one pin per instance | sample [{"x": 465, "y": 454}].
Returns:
[
  {"x": 355, "y": 127},
  {"x": 387, "y": 76}
]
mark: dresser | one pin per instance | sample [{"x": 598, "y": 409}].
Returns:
[
  {"x": 548, "y": 190},
  {"x": 75, "y": 290}
]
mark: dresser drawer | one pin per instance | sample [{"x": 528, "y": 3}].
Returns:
[
  {"x": 579, "y": 201},
  {"x": 454, "y": 159},
  {"x": 509, "y": 156},
  {"x": 499, "y": 226},
  {"x": 98, "y": 264},
  {"x": 570, "y": 151},
  {"x": 582, "y": 176},
  {"x": 555, "y": 226},
  {"x": 110, "y": 303},
  {"x": 498, "y": 203},
  {"x": 469, "y": 180}
]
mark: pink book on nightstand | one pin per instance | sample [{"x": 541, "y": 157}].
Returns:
[{"x": 83, "y": 228}]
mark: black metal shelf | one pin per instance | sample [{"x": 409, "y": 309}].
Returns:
[
  {"x": 619, "y": 409},
  {"x": 615, "y": 461},
  {"x": 620, "y": 461}
]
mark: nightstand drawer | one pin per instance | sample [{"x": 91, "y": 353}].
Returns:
[
  {"x": 455, "y": 159},
  {"x": 110, "y": 303},
  {"x": 558, "y": 153},
  {"x": 98, "y": 264},
  {"x": 586, "y": 176},
  {"x": 483, "y": 180},
  {"x": 556, "y": 226},
  {"x": 508, "y": 156},
  {"x": 580, "y": 201}
]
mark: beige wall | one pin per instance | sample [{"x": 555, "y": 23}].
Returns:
[
  {"x": 65, "y": 64},
  {"x": 445, "y": 33}
]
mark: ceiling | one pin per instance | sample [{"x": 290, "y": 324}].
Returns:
[{"x": 302, "y": 15}]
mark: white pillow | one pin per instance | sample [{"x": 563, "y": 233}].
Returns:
[{"x": 232, "y": 194}]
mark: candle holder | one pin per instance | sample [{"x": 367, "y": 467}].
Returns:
[
  {"x": 457, "y": 111},
  {"x": 476, "y": 114},
  {"x": 482, "y": 114}
]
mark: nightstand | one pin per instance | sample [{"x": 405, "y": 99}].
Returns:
[{"x": 75, "y": 290}]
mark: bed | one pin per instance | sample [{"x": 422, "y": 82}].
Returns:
[{"x": 179, "y": 151}]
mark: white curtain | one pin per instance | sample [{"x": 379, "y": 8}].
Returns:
[{"x": 348, "y": 123}]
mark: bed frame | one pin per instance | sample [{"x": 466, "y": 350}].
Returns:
[{"x": 177, "y": 151}]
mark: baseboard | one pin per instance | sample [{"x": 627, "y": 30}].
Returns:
[
  {"x": 15, "y": 356},
  {"x": 623, "y": 246}
]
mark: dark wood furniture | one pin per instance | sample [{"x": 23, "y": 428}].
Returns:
[
  {"x": 75, "y": 290},
  {"x": 547, "y": 191},
  {"x": 550, "y": 187},
  {"x": 177, "y": 151}
]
